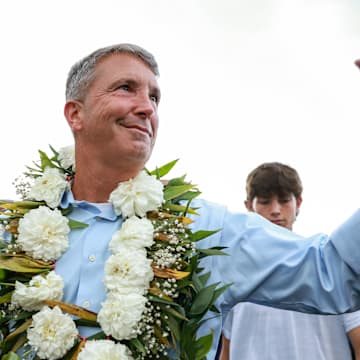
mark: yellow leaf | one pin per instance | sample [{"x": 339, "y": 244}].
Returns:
[
  {"x": 157, "y": 292},
  {"x": 19, "y": 330},
  {"x": 166, "y": 273},
  {"x": 161, "y": 237},
  {"x": 19, "y": 342},
  {"x": 22, "y": 263},
  {"x": 78, "y": 349},
  {"x": 185, "y": 220},
  {"x": 72, "y": 309},
  {"x": 159, "y": 335}
]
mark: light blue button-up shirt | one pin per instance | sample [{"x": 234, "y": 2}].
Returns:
[{"x": 267, "y": 264}]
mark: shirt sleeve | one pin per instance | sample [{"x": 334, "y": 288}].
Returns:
[
  {"x": 351, "y": 320},
  {"x": 228, "y": 324},
  {"x": 270, "y": 265}
]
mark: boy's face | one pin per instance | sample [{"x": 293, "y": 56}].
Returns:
[{"x": 280, "y": 210}]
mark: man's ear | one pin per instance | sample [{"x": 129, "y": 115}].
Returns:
[
  {"x": 248, "y": 205},
  {"x": 73, "y": 114}
]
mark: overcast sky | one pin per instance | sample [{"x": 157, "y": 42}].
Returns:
[{"x": 243, "y": 82}]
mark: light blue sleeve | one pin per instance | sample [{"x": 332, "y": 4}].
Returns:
[
  {"x": 351, "y": 320},
  {"x": 273, "y": 266},
  {"x": 270, "y": 265}
]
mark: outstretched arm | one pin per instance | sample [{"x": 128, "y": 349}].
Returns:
[{"x": 271, "y": 265}]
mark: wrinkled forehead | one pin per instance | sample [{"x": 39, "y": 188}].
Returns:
[
  {"x": 126, "y": 67},
  {"x": 123, "y": 59}
]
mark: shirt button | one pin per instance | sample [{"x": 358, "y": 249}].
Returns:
[
  {"x": 86, "y": 304},
  {"x": 92, "y": 258}
]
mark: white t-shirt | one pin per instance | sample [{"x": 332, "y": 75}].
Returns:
[{"x": 260, "y": 332}]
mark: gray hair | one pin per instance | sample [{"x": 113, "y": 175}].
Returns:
[{"x": 82, "y": 73}]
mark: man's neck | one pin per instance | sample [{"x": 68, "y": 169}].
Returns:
[{"x": 96, "y": 186}]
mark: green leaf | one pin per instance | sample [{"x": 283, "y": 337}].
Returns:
[
  {"x": 10, "y": 356},
  {"x": 197, "y": 282},
  {"x": 26, "y": 204},
  {"x": 6, "y": 298},
  {"x": 136, "y": 343},
  {"x": 177, "y": 181},
  {"x": 202, "y": 234},
  {"x": 211, "y": 252},
  {"x": 98, "y": 336},
  {"x": 172, "y": 192},
  {"x": 174, "y": 326},
  {"x": 220, "y": 290},
  {"x": 203, "y": 300},
  {"x": 204, "y": 278},
  {"x": 56, "y": 153},
  {"x": 188, "y": 196},
  {"x": 76, "y": 224},
  {"x": 164, "y": 170},
  {"x": 174, "y": 313},
  {"x": 203, "y": 345},
  {"x": 156, "y": 299},
  {"x": 179, "y": 208},
  {"x": 45, "y": 161}
]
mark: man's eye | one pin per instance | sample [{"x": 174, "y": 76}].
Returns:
[
  {"x": 124, "y": 87},
  {"x": 154, "y": 98}
]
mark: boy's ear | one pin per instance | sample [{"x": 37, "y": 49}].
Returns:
[
  {"x": 298, "y": 204},
  {"x": 248, "y": 205}
]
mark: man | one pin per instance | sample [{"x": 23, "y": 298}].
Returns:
[
  {"x": 112, "y": 101},
  {"x": 251, "y": 331}
]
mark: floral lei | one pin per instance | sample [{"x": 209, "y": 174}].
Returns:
[{"x": 156, "y": 297}]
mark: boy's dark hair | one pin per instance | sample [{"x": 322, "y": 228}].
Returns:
[{"x": 273, "y": 178}]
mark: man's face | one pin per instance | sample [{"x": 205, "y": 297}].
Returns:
[
  {"x": 118, "y": 116},
  {"x": 280, "y": 210}
]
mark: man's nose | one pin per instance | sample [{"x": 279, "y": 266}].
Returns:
[{"x": 144, "y": 105}]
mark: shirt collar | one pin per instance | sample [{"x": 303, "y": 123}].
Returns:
[{"x": 106, "y": 212}]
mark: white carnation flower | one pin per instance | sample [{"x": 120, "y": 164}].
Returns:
[
  {"x": 43, "y": 233},
  {"x": 128, "y": 271},
  {"x": 67, "y": 157},
  {"x": 52, "y": 333},
  {"x": 40, "y": 288},
  {"x": 104, "y": 350},
  {"x": 135, "y": 233},
  {"x": 49, "y": 187},
  {"x": 137, "y": 196},
  {"x": 120, "y": 315}
]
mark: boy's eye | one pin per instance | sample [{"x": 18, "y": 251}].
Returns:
[{"x": 263, "y": 201}]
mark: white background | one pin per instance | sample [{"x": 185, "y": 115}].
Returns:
[{"x": 243, "y": 82}]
